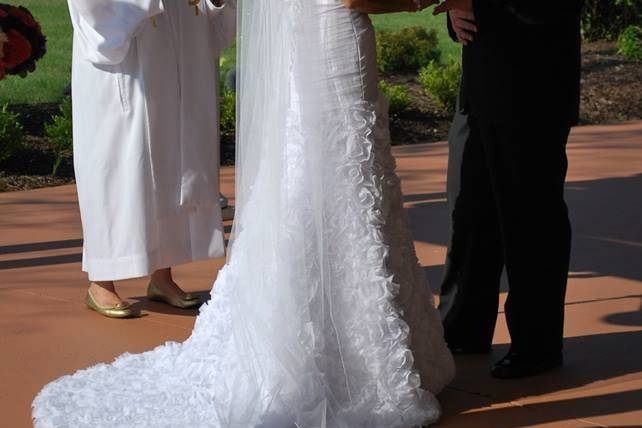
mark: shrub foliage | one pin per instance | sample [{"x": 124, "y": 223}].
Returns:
[
  {"x": 630, "y": 43},
  {"x": 399, "y": 98},
  {"x": 11, "y": 133},
  {"x": 60, "y": 134},
  {"x": 407, "y": 50},
  {"x": 441, "y": 82},
  {"x": 606, "y": 19},
  {"x": 228, "y": 126}
]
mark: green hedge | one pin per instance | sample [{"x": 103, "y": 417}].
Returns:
[
  {"x": 606, "y": 19},
  {"x": 60, "y": 134},
  {"x": 11, "y": 133},
  {"x": 407, "y": 50},
  {"x": 441, "y": 82},
  {"x": 630, "y": 43},
  {"x": 398, "y": 96}
]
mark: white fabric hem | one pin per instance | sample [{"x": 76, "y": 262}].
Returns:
[{"x": 196, "y": 246}]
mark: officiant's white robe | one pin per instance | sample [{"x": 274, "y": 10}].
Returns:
[{"x": 146, "y": 134}]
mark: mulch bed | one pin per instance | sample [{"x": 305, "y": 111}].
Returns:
[
  {"x": 424, "y": 122},
  {"x": 611, "y": 85},
  {"x": 611, "y": 92},
  {"x": 30, "y": 168}
]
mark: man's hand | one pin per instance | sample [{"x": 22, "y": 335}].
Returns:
[
  {"x": 450, "y": 5},
  {"x": 464, "y": 25},
  {"x": 462, "y": 18}
]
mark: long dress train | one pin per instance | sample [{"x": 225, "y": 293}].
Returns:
[{"x": 322, "y": 316}]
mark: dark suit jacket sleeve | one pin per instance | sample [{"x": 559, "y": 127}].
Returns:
[
  {"x": 530, "y": 12},
  {"x": 451, "y": 30}
]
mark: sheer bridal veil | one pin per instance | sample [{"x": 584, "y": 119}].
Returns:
[
  {"x": 277, "y": 245},
  {"x": 319, "y": 340}
]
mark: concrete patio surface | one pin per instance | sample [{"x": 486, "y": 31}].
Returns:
[{"x": 46, "y": 331}]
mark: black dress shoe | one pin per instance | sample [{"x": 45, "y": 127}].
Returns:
[{"x": 517, "y": 365}]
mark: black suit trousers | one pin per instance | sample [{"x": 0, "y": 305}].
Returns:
[{"x": 506, "y": 195}]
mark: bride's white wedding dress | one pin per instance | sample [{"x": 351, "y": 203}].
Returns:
[{"x": 322, "y": 316}]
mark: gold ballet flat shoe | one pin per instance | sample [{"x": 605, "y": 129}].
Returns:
[
  {"x": 121, "y": 310},
  {"x": 190, "y": 301},
  {"x": 190, "y": 296}
]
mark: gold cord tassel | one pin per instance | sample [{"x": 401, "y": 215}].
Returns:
[
  {"x": 154, "y": 23},
  {"x": 196, "y": 4}
]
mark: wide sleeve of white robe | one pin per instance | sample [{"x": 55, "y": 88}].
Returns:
[
  {"x": 146, "y": 134},
  {"x": 223, "y": 18},
  {"x": 105, "y": 28}
]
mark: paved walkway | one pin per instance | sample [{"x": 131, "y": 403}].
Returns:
[{"x": 45, "y": 330}]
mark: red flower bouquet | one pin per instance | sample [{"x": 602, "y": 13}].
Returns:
[{"x": 21, "y": 41}]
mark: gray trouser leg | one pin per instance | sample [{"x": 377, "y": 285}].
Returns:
[{"x": 457, "y": 137}]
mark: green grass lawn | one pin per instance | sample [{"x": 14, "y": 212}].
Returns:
[{"x": 53, "y": 73}]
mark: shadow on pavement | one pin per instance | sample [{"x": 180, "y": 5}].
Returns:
[
  {"x": 582, "y": 408},
  {"x": 40, "y": 246},
  {"x": 162, "y": 308},
  {"x": 606, "y": 215},
  {"x": 597, "y": 360},
  {"x": 41, "y": 261}
]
